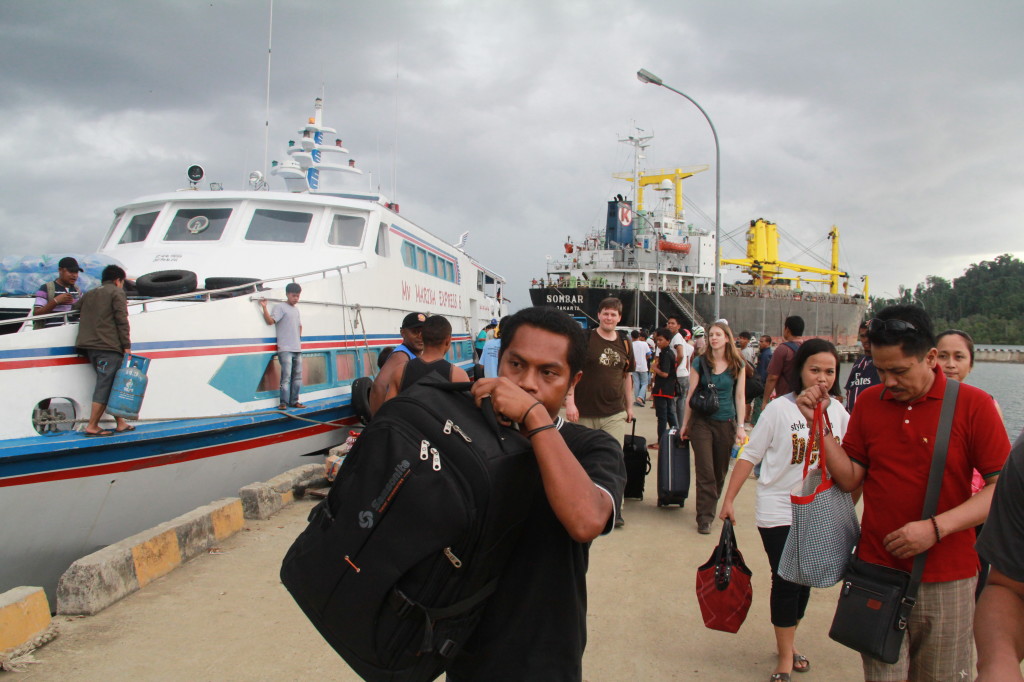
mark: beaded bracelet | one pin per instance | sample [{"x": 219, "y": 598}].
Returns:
[
  {"x": 534, "y": 432},
  {"x": 525, "y": 414},
  {"x": 935, "y": 525}
]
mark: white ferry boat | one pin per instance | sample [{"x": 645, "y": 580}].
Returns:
[{"x": 202, "y": 260}]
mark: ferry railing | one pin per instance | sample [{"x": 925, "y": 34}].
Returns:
[{"x": 26, "y": 323}]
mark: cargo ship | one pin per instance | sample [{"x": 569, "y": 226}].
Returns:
[{"x": 659, "y": 265}]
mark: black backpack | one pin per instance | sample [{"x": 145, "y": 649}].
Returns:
[{"x": 398, "y": 561}]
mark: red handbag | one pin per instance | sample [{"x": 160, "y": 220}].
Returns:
[{"x": 724, "y": 591}]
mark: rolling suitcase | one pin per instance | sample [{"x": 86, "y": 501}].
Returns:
[
  {"x": 673, "y": 469},
  {"x": 638, "y": 464}
]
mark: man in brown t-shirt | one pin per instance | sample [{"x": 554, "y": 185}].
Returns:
[
  {"x": 781, "y": 366},
  {"x": 603, "y": 398}
]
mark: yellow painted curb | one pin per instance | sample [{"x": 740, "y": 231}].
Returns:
[
  {"x": 287, "y": 498},
  {"x": 156, "y": 557},
  {"x": 24, "y": 617},
  {"x": 227, "y": 520}
]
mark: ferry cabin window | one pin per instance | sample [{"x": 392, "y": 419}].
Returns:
[
  {"x": 346, "y": 230},
  {"x": 382, "y": 241},
  {"x": 278, "y": 226},
  {"x": 346, "y": 366},
  {"x": 314, "y": 372},
  {"x": 368, "y": 360},
  {"x": 139, "y": 227},
  {"x": 417, "y": 258},
  {"x": 198, "y": 225}
]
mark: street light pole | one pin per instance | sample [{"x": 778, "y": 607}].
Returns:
[{"x": 646, "y": 76}]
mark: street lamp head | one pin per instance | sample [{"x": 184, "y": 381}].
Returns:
[{"x": 645, "y": 76}]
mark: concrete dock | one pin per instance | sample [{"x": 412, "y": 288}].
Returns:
[{"x": 225, "y": 615}]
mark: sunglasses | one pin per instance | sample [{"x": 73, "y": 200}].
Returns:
[{"x": 898, "y": 326}]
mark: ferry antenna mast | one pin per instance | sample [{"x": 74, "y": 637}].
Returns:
[{"x": 266, "y": 127}]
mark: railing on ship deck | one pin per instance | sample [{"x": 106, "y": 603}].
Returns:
[{"x": 26, "y": 323}]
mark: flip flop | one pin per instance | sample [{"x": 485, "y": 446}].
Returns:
[
  {"x": 98, "y": 434},
  {"x": 125, "y": 429},
  {"x": 799, "y": 660}
]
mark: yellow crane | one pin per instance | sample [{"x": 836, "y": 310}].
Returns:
[{"x": 763, "y": 265}]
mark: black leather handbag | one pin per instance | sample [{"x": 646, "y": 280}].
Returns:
[
  {"x": 875, "y": 602},
  {"x": 705, "y": 397}
]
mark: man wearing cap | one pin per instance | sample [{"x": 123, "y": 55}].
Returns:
[
  {"x": 59, "y": 295},
  {"x": 394, "y": 367},
  {"x": 289, "y": 344},
  {"x": 699, "y": 341}
]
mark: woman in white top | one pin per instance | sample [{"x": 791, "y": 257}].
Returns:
[{"x": 779, "y": 444}]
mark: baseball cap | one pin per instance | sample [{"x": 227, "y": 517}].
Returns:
[
  {"x": 688, "y": 334},
  {"x": 69, "y": 264},
  {"x": 413, "y": 320}
]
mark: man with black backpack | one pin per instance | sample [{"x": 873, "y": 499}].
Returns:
[{"x": 534, "y": 626}]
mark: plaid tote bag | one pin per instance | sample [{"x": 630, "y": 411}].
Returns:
[{"x": 825, "y": 526}]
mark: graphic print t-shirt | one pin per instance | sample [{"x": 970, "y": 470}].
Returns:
[{"x": 600, "y": 391}]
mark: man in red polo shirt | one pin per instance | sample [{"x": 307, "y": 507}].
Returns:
[{"x": 888, "y": 448}]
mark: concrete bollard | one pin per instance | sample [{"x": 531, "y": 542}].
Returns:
[
  {"x": 263, "y": 500},
  {"x": 96, "y": 581},
  {"x": 24, "y": 614}
]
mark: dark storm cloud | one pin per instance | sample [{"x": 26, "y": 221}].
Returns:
[{"x": 897, "y": 122}]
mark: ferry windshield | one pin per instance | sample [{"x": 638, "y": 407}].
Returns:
[
  {"x": 198, "y": 225},
  {"x": 346, "y": 230},
  {"x": 139, "y": 227},
  {"x": 278, "y": 226}
]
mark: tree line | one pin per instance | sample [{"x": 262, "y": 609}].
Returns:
[{"x": 987, "y": 301}]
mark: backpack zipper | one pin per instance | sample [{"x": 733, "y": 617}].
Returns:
[
  {"x": 437, "y": 459},
  {"x": 456, "y": 562},
  {"x": 424, "y": 445}
]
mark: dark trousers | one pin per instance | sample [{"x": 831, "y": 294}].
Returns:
[
  {"x": 711, "y": 444},
  {"x": 788, "y": 600},
  {"x": 664, "y": 409}
]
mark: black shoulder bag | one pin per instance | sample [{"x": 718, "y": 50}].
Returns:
[
  {"x": 876, "y": 601},
  {"x": 705, "y": 397}
]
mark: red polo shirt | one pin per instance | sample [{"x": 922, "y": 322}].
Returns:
[{"x": 894, "y": 441}]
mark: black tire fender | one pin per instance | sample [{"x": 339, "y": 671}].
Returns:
[
  {"x": 361, "y": 398},
  {"x": 166, "y": 283},
  {"x": 214, "y": 283}
]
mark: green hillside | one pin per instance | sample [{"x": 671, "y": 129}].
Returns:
[{"x": 987, "y": 301}]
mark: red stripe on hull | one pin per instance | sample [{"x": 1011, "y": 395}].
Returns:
[{"x": 174, "y": 457}]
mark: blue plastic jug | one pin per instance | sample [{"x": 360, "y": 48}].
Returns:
[{"x": 129, "y": 387}]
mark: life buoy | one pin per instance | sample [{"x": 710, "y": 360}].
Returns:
[
  {"x": 166, "y": 283},
  {"x": 361, "y": 398}
]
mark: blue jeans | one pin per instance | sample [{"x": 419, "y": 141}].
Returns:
[
  {"x": 291, "y": 376},
  {"x": 640, "y": 385},
  {"x": 680, "y": 403},
  {"x": 663, "y": 410}
]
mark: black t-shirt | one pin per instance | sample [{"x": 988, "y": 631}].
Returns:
[
  {"x": 665, "y": 387},
  {"x": 1002, "y": 541},
  {"x": 535, "y": 626},
  {"x": 416, "y": 369}
]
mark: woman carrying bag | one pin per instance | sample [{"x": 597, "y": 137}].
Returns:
[
  {"x": 779, "y": 443},
  {"x": 717, "y": 379}
]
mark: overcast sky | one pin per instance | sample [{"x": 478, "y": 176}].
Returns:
[{"x": 898, "y": 122}]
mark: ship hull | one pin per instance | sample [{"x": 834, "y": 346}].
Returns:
[{"x": 831, "y": 317}]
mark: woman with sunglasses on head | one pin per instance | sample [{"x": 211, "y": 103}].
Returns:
[
  {"x": 956, "y": 360},
  {"x": 712, "y": 436},
  {"x": 779, "y": 443}
]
